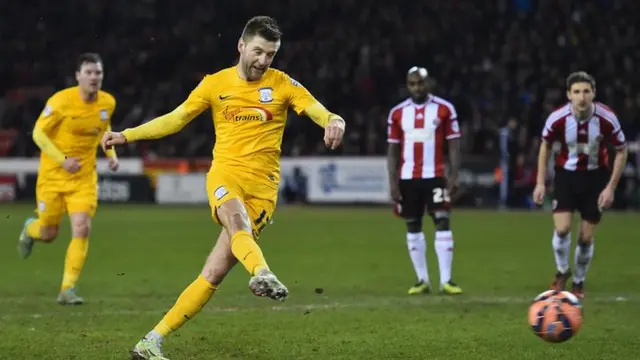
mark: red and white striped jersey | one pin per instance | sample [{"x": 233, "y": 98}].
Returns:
[
  {"x": 422, "y": 131},
  {"x": 582, "y": 144}
]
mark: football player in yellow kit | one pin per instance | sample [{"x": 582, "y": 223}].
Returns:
[
  {"x": 68, "y": 133},
  {"x": 249, "y": 103}
]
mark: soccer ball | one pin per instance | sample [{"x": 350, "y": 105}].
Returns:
[{"x": 555, "y": 316}]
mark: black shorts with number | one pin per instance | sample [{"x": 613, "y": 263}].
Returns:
[
  {"x": 579, "y": 190},
  {"x": 418, "y": 194}
]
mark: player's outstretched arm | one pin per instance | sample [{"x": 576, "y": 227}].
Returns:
[
  {"x": 166, "y": 124},
  {"x": 157, "y": 128},
  {"x": 160, "y": 127}
]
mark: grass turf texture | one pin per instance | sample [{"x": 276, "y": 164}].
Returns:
[{"x": 142, "y": 257}]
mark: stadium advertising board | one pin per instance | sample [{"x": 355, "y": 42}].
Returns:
[
  {"x": 8, "y": 188},
  {"x": 173, "y": 188},
  {"x": 112, "y": 188},
  {"x": 325, "y": 180},
  {"x": 31, "y": 165}
]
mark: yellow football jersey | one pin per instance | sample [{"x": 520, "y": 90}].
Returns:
[
  {"x": 249, "y": 118},
  {"x": 75, "y": 127}
]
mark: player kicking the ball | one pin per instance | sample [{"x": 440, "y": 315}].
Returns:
[
  {"x": 419, "y": 129},
  {"x": 249, "y": 103},
  {"x": 582, "y": 182}
]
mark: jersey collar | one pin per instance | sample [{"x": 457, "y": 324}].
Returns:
[{"x": 429, "y": 99}]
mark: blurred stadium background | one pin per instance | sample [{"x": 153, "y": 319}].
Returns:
[{"x": 502, "y": 63}]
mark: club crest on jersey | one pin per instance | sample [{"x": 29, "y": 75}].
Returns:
[
  {"x": 266, "y": 95},
  {"x": 599, "y": 138},
  {"x": 104, "y": 115}
]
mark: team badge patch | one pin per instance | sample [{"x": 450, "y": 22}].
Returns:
[
  {"x": 104, "y": 115},
  {"x": 266, "y": 95},
  {"x": 220, "y": 192}
]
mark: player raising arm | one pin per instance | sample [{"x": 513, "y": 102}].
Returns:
[
  {"x": 582, "y": 128},
  {"x": 68, "y": 133},
  {"x": 249, "y": 103},
  {"x": 419, "y": 131}
]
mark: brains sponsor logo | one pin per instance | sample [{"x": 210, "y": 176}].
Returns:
[{"x": 255, "y": 113}]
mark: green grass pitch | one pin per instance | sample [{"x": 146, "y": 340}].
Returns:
[{"x": 142, "y": 257}]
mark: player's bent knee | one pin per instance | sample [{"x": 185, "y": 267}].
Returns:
[
  {"x": 414, "y": 225},
  {"x": 80, "y": 225},
  {"x": 48, "y": 233},
  {"x": 81, "y": 230},
  {"x": 585, "y": 237}
]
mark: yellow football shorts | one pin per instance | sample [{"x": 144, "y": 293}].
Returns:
[
  {"x": 54, "y": 198},
  {"x": 258, "y": 198}
]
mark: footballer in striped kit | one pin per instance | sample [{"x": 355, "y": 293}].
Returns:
[
  {"x": 581, "y": 130},
  {"x": 419, "y": 131}
]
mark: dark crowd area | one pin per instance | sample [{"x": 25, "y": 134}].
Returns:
[{"x": 502, "y": 63}]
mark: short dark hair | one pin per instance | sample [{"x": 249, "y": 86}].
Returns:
[
  {"x": 580, "y": 77},
  {"x": 87, "y": 58},
  {"x": 264, "y": 26}
]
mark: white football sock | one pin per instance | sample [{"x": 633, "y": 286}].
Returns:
[
  {"x": 583, "y": 255},
  {"x": 444, "y": 249},
  {"x": 418, "y": 253},
  {"x": 561, "y": 248}
]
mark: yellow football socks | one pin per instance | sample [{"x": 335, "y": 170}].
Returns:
[
  {"x": 76, "y": 254},
  {"x": 190, "y": 302},
  {"x": 247, "y": 251},
  {"x": 33, "y": 230}
]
